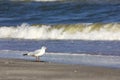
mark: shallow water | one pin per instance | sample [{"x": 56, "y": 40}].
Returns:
[{"x": 94, "y": 53}]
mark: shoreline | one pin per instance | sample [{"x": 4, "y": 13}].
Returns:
[{"x": 18, "y": 69}]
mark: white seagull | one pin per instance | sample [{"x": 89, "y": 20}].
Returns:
[{"x": 37, "y": 53}]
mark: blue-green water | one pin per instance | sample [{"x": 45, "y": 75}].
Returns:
[{"x": 18, "y": 12}]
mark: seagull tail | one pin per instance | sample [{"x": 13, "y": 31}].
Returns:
[{"x": 25, "y": 54}]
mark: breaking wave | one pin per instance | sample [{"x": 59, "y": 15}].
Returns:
[{"x": 87, "y": 31}]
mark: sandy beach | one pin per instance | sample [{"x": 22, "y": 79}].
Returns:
[{"x": 16, "y": 69}]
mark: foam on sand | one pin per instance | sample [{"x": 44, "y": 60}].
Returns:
[{"x": 68, "y": 58}]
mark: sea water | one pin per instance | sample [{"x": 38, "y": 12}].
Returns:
[{"x": 74, "y": 32}]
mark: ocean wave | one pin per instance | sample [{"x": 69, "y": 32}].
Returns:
[
  {"x": 85, "y": 31},
  {"x": 82, "y": 1}
]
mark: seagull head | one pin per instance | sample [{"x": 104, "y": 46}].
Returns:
[{"x": 43, "y": 47}]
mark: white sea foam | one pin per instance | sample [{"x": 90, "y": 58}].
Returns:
[{"x": 25, "y": 31}]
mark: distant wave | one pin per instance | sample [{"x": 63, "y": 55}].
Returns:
[
  {"x": 89, "y": 31},
  {"x": 38, "y": 0},
  {"x": 83, "y": 1},
  {"x": 35, "y": 0}
]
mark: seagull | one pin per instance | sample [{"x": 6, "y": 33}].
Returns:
[{"x": 37, "y": 53}]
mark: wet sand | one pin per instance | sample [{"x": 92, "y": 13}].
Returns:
[{"x": 16, "y": 69}]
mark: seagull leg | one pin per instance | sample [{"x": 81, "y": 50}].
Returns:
[
  {"x": 39, "y": 59},
  {"x": 36, "y": 58}
]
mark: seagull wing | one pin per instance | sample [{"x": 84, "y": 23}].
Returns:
[{"x": 37, "y": 52}]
